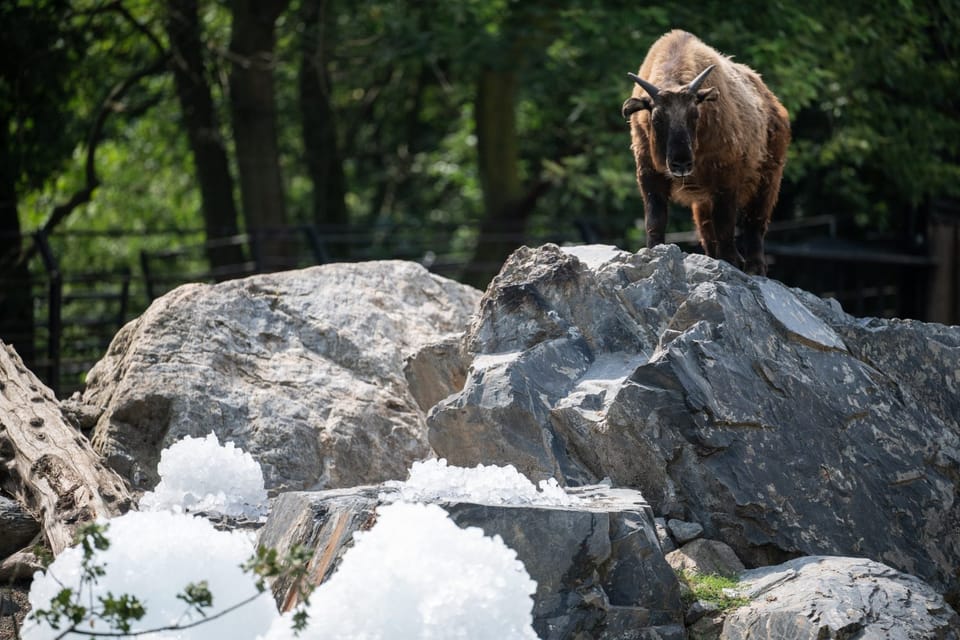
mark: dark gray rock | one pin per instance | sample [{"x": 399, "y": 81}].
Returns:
[
  {"x": 82, "y": 416},
  {"x": 663, "y": 534},
  {"x": 706, "y": 628},
  {"x": 598, "y": 566},
  {"x": 684, "y": 532},
  {"x": 17, "y": 527},
  {"x": 699, "y": 609},
  {"x": 782, "y": 425},
  {"x": 836, "y": 597}
]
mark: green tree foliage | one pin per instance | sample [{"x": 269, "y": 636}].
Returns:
[{"x": 380, "y": 112}]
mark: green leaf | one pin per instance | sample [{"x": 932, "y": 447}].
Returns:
[
  {"x": 119, "y": 612},
  {"x": 197, "y": 596}
]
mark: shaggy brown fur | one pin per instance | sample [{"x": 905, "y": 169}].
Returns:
[{"x": 738, "y": 134}]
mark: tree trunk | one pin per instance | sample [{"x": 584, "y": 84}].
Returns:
[
  {"x": 252, "y": 105},
  {"x": 203, "y": 131},
  {"x": 322, "y": 153},
  {"x": 507, "y": 203},
  {"x": 50, "y": 467},
  {"x": 16, "y": 302}
]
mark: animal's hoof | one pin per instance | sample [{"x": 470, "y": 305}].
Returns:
[{"x": 754, "y": 268}]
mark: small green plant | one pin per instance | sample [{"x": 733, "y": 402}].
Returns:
[
  {"x": 72, "y": 607},
  {"x": 711, "y": 587},
  {"x": 267, "y": 563}
]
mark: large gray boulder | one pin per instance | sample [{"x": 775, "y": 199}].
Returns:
[
  {"x": 303, "y": 369},
  {"x": 837, "y": 597},
  {"x": 781, "y": 424},
  {"x": 599, "y": 569}
]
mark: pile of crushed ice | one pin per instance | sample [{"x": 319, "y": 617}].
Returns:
[
  {"x": 414, "y": 575},
  {"x": 200, "y": 475},
  {"x": 154, "y": 556},
  {"x": 436, "y": 481}
]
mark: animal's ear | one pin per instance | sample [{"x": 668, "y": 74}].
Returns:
[
  {"x": 707, "y": 95},
  {"x": 632, "y": 105}
]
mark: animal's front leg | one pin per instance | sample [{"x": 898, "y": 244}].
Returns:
[{"x": 654, "y": 190}]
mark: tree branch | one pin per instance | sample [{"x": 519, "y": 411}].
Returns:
[
  {"x": 142, "y": 28},
  {"x": 109, "y": 105},
  {"x": 172, "y": 627}
]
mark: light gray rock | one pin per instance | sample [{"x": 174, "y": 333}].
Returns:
[
  {"x": 706, "y": 557},
  {"x": 436, "y": 371},
  {"x": 781, "y": 424},
  {"x": 838, "y": 597},
  {"x": 19, "y": 567},
  {"x": 599, "y": 572},
  {"x": 683, "y": 531},
  {"x": 303, "y": 369}
]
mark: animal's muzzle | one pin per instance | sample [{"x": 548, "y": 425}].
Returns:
[{"x": 680, "y": 168}]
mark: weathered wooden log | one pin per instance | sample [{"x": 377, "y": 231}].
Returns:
[{"x": 49, "y": 466}]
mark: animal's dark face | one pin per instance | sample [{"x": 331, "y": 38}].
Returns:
[{"x": 673, "y": 121}]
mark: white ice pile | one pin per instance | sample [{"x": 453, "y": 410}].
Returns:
[
  {"x": 155, "y": 556},
  {"x": 414, "y": 575},
  {"x": 435, "y": 481},
  {"x": 198, "y": 474},
  {"x": 417, "y": 576}
]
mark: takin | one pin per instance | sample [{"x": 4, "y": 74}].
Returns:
[{"x": 707, "y": 134}]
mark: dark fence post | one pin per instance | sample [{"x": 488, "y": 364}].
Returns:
[
  {"x": 147, "y": 275},
  {"x": 944, "y": 237},
  {"x": 316, "y": 245}
]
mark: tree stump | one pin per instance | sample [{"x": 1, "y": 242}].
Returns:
[{"x": 47, "y": 465}]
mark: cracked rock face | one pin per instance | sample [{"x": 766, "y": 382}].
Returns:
[
  {"x": 303, "y": 369},
  {"x": 783, "y": 425},
  {"x": 836, "y": 597}
]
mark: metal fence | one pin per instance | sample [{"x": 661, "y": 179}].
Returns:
[{"x": 76, "y": 314}]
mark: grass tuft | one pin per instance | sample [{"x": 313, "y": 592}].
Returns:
[{"x": 710, "y": 587}]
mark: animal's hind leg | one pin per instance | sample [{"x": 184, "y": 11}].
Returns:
[
  {"x": 757, "y": 213},
  {"x": 756, "y": 217},
  {"x": 751, "y": 239},
  {"x": 716, "y": 224}
]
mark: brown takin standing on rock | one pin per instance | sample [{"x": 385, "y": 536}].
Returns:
[{"x": 707, "y": 134}]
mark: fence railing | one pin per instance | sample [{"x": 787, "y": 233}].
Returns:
[{"x": 77, "y": 314}]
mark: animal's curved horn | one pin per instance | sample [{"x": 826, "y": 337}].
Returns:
[
  {"x": 649, "y": 88},
  {"x": 694, "y": 85}
]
